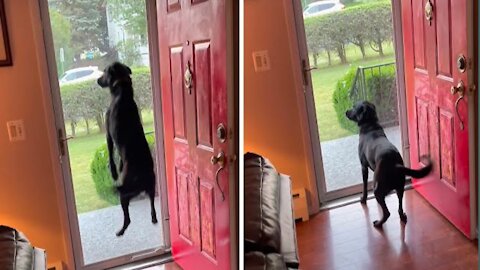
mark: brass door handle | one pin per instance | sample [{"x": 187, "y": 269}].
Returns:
[
  {"x": 219, "y": 159},
  {"x": 460, "y": 90}
]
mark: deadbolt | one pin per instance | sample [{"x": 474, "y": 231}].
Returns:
[
  {"x": 462, "y": 63},
  {"x": 221, "y": 133}
]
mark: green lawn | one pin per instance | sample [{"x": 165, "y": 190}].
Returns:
[
  {"x": 81, "y": 150},
  {"x": 325, "y": 79}
]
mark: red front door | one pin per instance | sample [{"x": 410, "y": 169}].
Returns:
[
  {"x": 194, "y": 68},
  {"x": 438, "y": 69}
]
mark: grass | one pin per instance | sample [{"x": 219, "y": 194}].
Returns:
[
  {"x": 81, "y": 150},
  {"x": 325, "y": 79}
]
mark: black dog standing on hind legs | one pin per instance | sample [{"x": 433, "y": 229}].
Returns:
[
  {"x": 382, "y": 157},
  {"x": 125, "y": 133}
]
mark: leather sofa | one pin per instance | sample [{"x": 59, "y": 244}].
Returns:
[
  {"x": 16, "y": 252},
  {"x": 270, "y": 237}
]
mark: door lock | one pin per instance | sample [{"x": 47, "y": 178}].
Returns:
[{"x": 221, "y": 133}]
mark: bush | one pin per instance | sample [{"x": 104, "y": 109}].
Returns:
[
  {"x": 381, "y": 90},
  {"x": 99, "y": 169},
  {"x": 342, "y": 101}
]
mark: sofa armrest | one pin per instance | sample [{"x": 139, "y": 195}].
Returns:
[
  {"x": 39, "y": 259},
  {"x": 289, "y": 248},
  {"x": 262, "y": 205}
]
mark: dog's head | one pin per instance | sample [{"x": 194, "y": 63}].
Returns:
[
  {"x": 113, "y": 73},
  {"x": 363, "y": 112}
]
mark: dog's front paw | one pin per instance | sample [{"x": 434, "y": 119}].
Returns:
[
  {"x": 363, "y": 200},
  {"x": 121, "y": 232},
  {"x": 154, "y": 220},
  {"x": 403, "y": 217},
  {"x": 377, "y": 224}
]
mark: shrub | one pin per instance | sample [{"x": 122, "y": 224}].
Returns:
[
  {"x": 381, "y": 90},
  {"x": 99, "y": 169},
  {"x": 342, "y": 101}
]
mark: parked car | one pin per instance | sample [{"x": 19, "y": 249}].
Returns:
[
  {"x": 322, "y": 7},
  {"x": 79, "y": 75}
]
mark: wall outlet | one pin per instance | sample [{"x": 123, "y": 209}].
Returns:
[
  {"x": 16, "y": 130},
  {"x": 261, "y": 61}
]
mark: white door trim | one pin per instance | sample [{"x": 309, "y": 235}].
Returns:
[
  {"x": 299, "y": 53},
  {"x": 48, "y": 69},
  {"x": 304, "y": 93}
]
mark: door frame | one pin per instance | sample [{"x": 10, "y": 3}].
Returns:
[
  {"x": 306, "y": 98},
  {"x": 62, "y": 174}
]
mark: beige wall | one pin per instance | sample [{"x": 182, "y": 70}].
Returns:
[
  {"x": 28, "y": 197},
  {"x": 272, "y": 114}
]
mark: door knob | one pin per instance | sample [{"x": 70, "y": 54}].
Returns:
[
  {"x": 218, "y": 159},
  {"x": 460, "y": 89}
]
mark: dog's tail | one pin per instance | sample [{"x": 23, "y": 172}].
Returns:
[{"x": 420, "y": 173}]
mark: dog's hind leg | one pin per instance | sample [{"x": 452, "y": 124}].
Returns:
[
  {"x": 151, "y": 194},
  {"x": 403, "y": 216},
  {"x": 365, "y": 183},
  {"x": 380, "y": 196},
  {"x": 124, "y": 200}
]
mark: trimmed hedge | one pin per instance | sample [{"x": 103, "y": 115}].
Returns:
[
  {"x": 99, "y": 169},
  {"x": 381, "y": 90},
  {"x": 362, "y": 25},
  {"x": 86, "y": 100}
]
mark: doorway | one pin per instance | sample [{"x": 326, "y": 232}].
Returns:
[
  {"x": 82, "y": 37},
  {"x": 350, "y": 54}
]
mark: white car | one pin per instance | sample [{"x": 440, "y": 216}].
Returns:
[
  {"x": 322, "y": 7},
  {"x": 80, "y": 75}
]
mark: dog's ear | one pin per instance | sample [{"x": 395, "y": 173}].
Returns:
[
  {"x": 367, "y": 113},
  {"x": 129, "y": 70}
]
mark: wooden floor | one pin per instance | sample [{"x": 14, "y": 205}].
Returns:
[{"x": 344, "y": 238}]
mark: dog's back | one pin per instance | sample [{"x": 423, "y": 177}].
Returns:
[{"x": 128, "y": 134}]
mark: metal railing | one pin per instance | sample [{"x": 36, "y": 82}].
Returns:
[{"x": 377, "y": 84}]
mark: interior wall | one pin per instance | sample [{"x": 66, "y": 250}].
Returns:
[
  {"x": 272, "y": 118},
  {"x": 28, "y": 196}
]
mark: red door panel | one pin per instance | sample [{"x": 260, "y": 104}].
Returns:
[
  {"x": 192, "y": 40},
  {"x": 435, "y": 127}
]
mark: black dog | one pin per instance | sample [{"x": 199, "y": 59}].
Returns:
[
  {"x": 125, "y": 132},
  {"x": 381, "y": 156}
]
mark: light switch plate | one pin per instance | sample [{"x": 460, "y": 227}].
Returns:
[
  {"x": 16, "y": 130},
  {"x": 261, "y": 61}
]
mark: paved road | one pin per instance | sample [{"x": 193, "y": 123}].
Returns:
[
  {"x": 98, "y": 228},
  {"x": 340, "y": 159}
]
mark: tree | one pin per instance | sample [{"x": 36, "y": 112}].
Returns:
[
  {"x": 129, "y": 52},
  {"x": 380, "y": 28},
  {"x": 356, "y": 19},
  {"x": 62, "y": 39},
  {"x": 88, "y": 21},
  {"x": 131, "y": 14}
]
